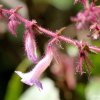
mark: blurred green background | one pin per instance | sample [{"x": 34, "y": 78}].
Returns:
[{"x": 53, "y": 15}]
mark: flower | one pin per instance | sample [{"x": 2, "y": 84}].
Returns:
[
  {"x": 32, "y": 77},
  {"x": 30, "y": 45},
  {"x": 13, "y": 24},
  {"x": 87, "y": 17},
  {"x": 83, "y": 57},
  {"x": 95, "y": 31},
  {"x": 63, "y": 69}
]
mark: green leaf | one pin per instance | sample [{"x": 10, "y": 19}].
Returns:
[
  {"x": 49, "y": 92},
  {"x": 80, "y": 90},
  {"x": 59, "y": 4},
  {"x": 15, "y": 87},
  {"x": 93, "y": 90},
  {"x": 62, "y": 4}
]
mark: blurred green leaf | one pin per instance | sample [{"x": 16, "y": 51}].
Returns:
[
  {"x": 15, "y": 87},
  {"x": 19, "y": 32},
  {"x": 95, "y": 58},
  {"x": 96, "y": 63},
  {"x": 93, "y": 90},
  {"x": 72, "y": 50},
  {"x": 59, "y": 4},
  {"x": 80, "y": 90},
  {"x": 49, "y": 92}
]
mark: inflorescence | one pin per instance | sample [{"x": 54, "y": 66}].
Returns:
[{"x": 88, "y": 18}]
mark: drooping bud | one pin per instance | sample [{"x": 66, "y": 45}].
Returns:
[
  {"x": 30, "y": 45},
  {"x": 83, "y": 57},
  {"x": 13, "y": 24}
]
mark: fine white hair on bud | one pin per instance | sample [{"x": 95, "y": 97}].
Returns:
[
  {"x": 13, "y": 24},
  {"x": 30, "y": 46}
]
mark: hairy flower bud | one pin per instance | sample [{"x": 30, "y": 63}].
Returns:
[
  {"x": 83, "y": 57},
  {"x": 13, "y": 24},
  {"x": 30, "y": 45}
]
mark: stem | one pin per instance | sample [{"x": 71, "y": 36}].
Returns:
[
  {"x": 68, "y": 40},
  {"x": 47, "y": 32},
  {"x": 94, "y": 48}
]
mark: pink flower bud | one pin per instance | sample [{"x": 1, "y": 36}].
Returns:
[
  {"x": 83, "y": 57},
  {"x": 13, "y": 24},
  {"x": 30, "y": 45}
]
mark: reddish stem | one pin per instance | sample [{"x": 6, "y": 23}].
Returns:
[{"x": 47, "y": 32}]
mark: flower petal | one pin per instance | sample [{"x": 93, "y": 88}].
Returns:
[{"x": 26, "y": 79}]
